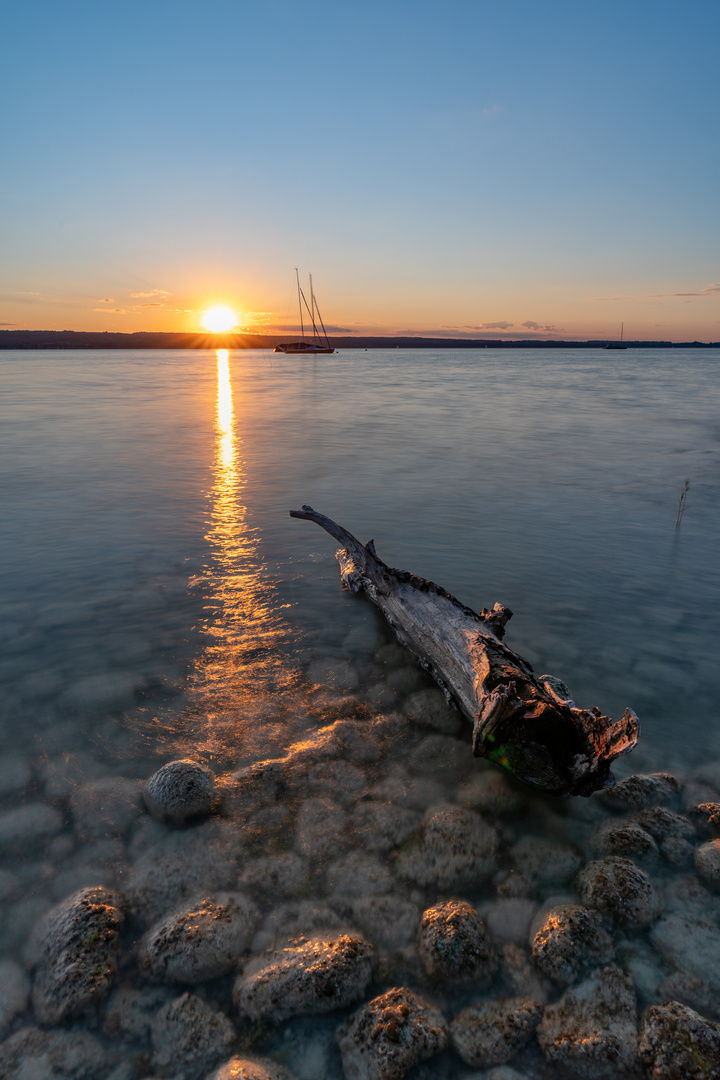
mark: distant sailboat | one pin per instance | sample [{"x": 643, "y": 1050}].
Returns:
[
  {"x": 319, "y": 342},
  {"x": 617, "y": 344}
]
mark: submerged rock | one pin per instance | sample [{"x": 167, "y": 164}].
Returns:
[
  {"x": 678, "y": 1044},
  {"x": 76, "y": 945},
  {"x": 571, "y": 939},
  {"x": 381, "y": 826},
  {"x": 321, "y": 828},
  {"x": 243, "y": 1068},
  {"x": 707, "y": 863},
  {"x": 492, "y": 1032},
  {"x": 285, "y": 874},
  {"x": 32, "y": 1054},
  {"x": 509, "y": 918},
  {"x": 14, "y": 992},
  {"x": 203, "y": 941},
  {"x": 358, "y": 874},
  {"x": 545, "y": 862},
  {"x": 180, "y": 791},
  {"x": 311, "y": 978},
  {"x": 387, "y": 921},
  {"x": 706, "y": 817},
  {"x": 384, "y": 1038},
  {"x": 592, "y": 1030},
  {"x": 492, "y": 793},
  {"x": 690, "y": 943},
  {"x": 28, "y": 826},
  {"x": 189, "y": 1037},
  {"x": 521, "y": 976},
  {"x": 664, "y": 824},
  {"x": 641, "y": 790},
  {"x": 454, "y": 944},
  {"x": 690, "y": 990},
  {"x": 105, "y": 807},
  {"x": 456, "y": 847},
  {"x": 429, "y": 708},
  {"x": 628, "y": 840},
  {"x": 620, "y": 889},
  {"x": 129, "y": 1012}
]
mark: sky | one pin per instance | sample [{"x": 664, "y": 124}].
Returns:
[{"x": 456, "y": 168}]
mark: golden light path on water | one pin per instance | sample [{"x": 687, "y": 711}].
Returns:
[{"x": 237, "y": 679}]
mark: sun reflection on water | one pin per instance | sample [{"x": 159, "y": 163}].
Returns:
[{"x": 244, "y": 663}]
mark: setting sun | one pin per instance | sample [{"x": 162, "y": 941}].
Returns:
[{"x": 219, "y": 319}]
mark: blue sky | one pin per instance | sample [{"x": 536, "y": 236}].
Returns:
[{"x": 439, "y": 167}]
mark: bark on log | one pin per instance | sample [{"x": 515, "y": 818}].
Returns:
[{"x": 525, "y": 723}]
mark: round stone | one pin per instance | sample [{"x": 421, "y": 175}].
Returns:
[
  {"x": 620, "y": 889},
  {"x": 707, "y": 862},
  {"x": 571, "y": 939},
  {"x": 492, "y": 1032},
  {"x": 180, "y": 791},
  {"x": 454, "y": 943}
]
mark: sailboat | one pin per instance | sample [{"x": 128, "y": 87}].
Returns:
[
  {"x": 617, "y": 344},
  {"x": 319, "y": 342}
]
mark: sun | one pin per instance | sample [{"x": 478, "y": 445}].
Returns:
[{"x": 219, "y": 319}]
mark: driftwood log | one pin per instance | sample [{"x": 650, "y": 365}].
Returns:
[{"x": 526, "y": 723}]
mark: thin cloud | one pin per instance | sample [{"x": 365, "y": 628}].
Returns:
[
  {"x": 497, "y": 325},
  {"x": 111, "y": 311},
  {"x": 144, "y": 295},
  {"x": 531, "y": 325},
  {"x": 711, "y": 290},
  {"x": 105, "y": 300},
  {"x": 8, "y": 324},
  {"x": 151, "y": 305}
]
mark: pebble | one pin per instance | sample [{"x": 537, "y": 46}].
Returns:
[
  {"x": 571, "y": 939},
  {"x": 689, "y": 990},
  {"x": 303, "y": 918},
  {"x": 14, "y": 775},
  {"x": 641, "y": 790},
  {"x": 243, "y": 1068},
  {"x": 521, "y": 976},
  {"x": 358, "y": 874},
  {"x": 389, "y": 1034},
  {"x": 61, "y": 775},
  {"x": 545, "y": 862},
  {"x": 690, "y": 943},
  {"x": 381, "y": 826},
  {"x": 32, "y": 1054},
  {"x": 14, "y": 992},
  {"x": 677, "y": 851},
  {"x": 189, "y": 1037},
  {"x": 338, "y": 674},
  {"x": 285, "y": 874},
  {"x": 509, "y": 918},
  {"x": 182, "y": 866},
  {"x": 129, "y": 1012},
  {"x": 76, "y": 944},
  {"x": 706, "y": 818},
  {"x": 28, "y": 826},
  {"x": 707, "y": 863},
  {"x": 105, "y": 807},
  {"x": 429, "y": 708},
  {"x": 455, "y": 848},
  {"x": 629, "y": 840},
  {"x": 180, "y": 791},
  {"x": 688, "y": 896},
  {"x": 676, "y": 1043},
  {"x": 387, "y": 921},
  {"x": 439, "y": 757},
  {"x": 620, "y": 889},
  {"x": 321, "y": 828},
  {"x": 592, "y": 1030},
  {"x": 492, "y": 793},
  {"x": 311, "y": 978},
  {"x": 338, "y": 780},
  {"x": 492, "y": 1032},
  {"x": 203, "y": 941},
  {"x": 663, "y": 823},
  {"x": 455, "y": 944}
]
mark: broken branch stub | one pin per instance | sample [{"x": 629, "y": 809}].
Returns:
[{"x": 523, "y": 722}]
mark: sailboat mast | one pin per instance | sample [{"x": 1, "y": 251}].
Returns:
[
  {"x": 312, "y": 313},
  {"x": 302, "y": 327}
]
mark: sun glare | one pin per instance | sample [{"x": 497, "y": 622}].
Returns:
[{"x": 219, "y": 319}]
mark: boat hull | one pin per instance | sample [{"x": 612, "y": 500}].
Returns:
[{"x": 301, "y": 347}]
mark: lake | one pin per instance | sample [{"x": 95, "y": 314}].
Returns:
[{"x": 158, "y": 603}]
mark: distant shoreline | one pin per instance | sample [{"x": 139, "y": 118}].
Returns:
[{"x": 91, "y": 339}]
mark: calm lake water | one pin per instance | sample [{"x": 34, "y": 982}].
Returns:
[{"x": 158, "y": 602}]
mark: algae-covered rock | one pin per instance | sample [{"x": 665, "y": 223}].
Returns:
[
  {"x": 620, "y": 889},
  {"x": 492, "y": 1032},
  {"x": 571, "y": 939},
  {"x": 203, "y": 941},
  {"x": 676, "y": 1043},
  {"x": 244, "y": 1068},
  {"x": 690, "y": 943},
  {"x": 592, "y": 1030},
  {"x": 455, "y": 944},
  {"x": 628, "y": 839},
  {"x": 310, "y": 978},
  {"x": 384, "y": 1038},
  {"x": 76, "y": 944},
  {"x": 641, "y": 790}
]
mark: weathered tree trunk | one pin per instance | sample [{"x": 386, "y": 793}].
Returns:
[{"x": 526, "y": 723}]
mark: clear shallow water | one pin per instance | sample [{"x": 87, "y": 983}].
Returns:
[{"x": 158, "y": 602}]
